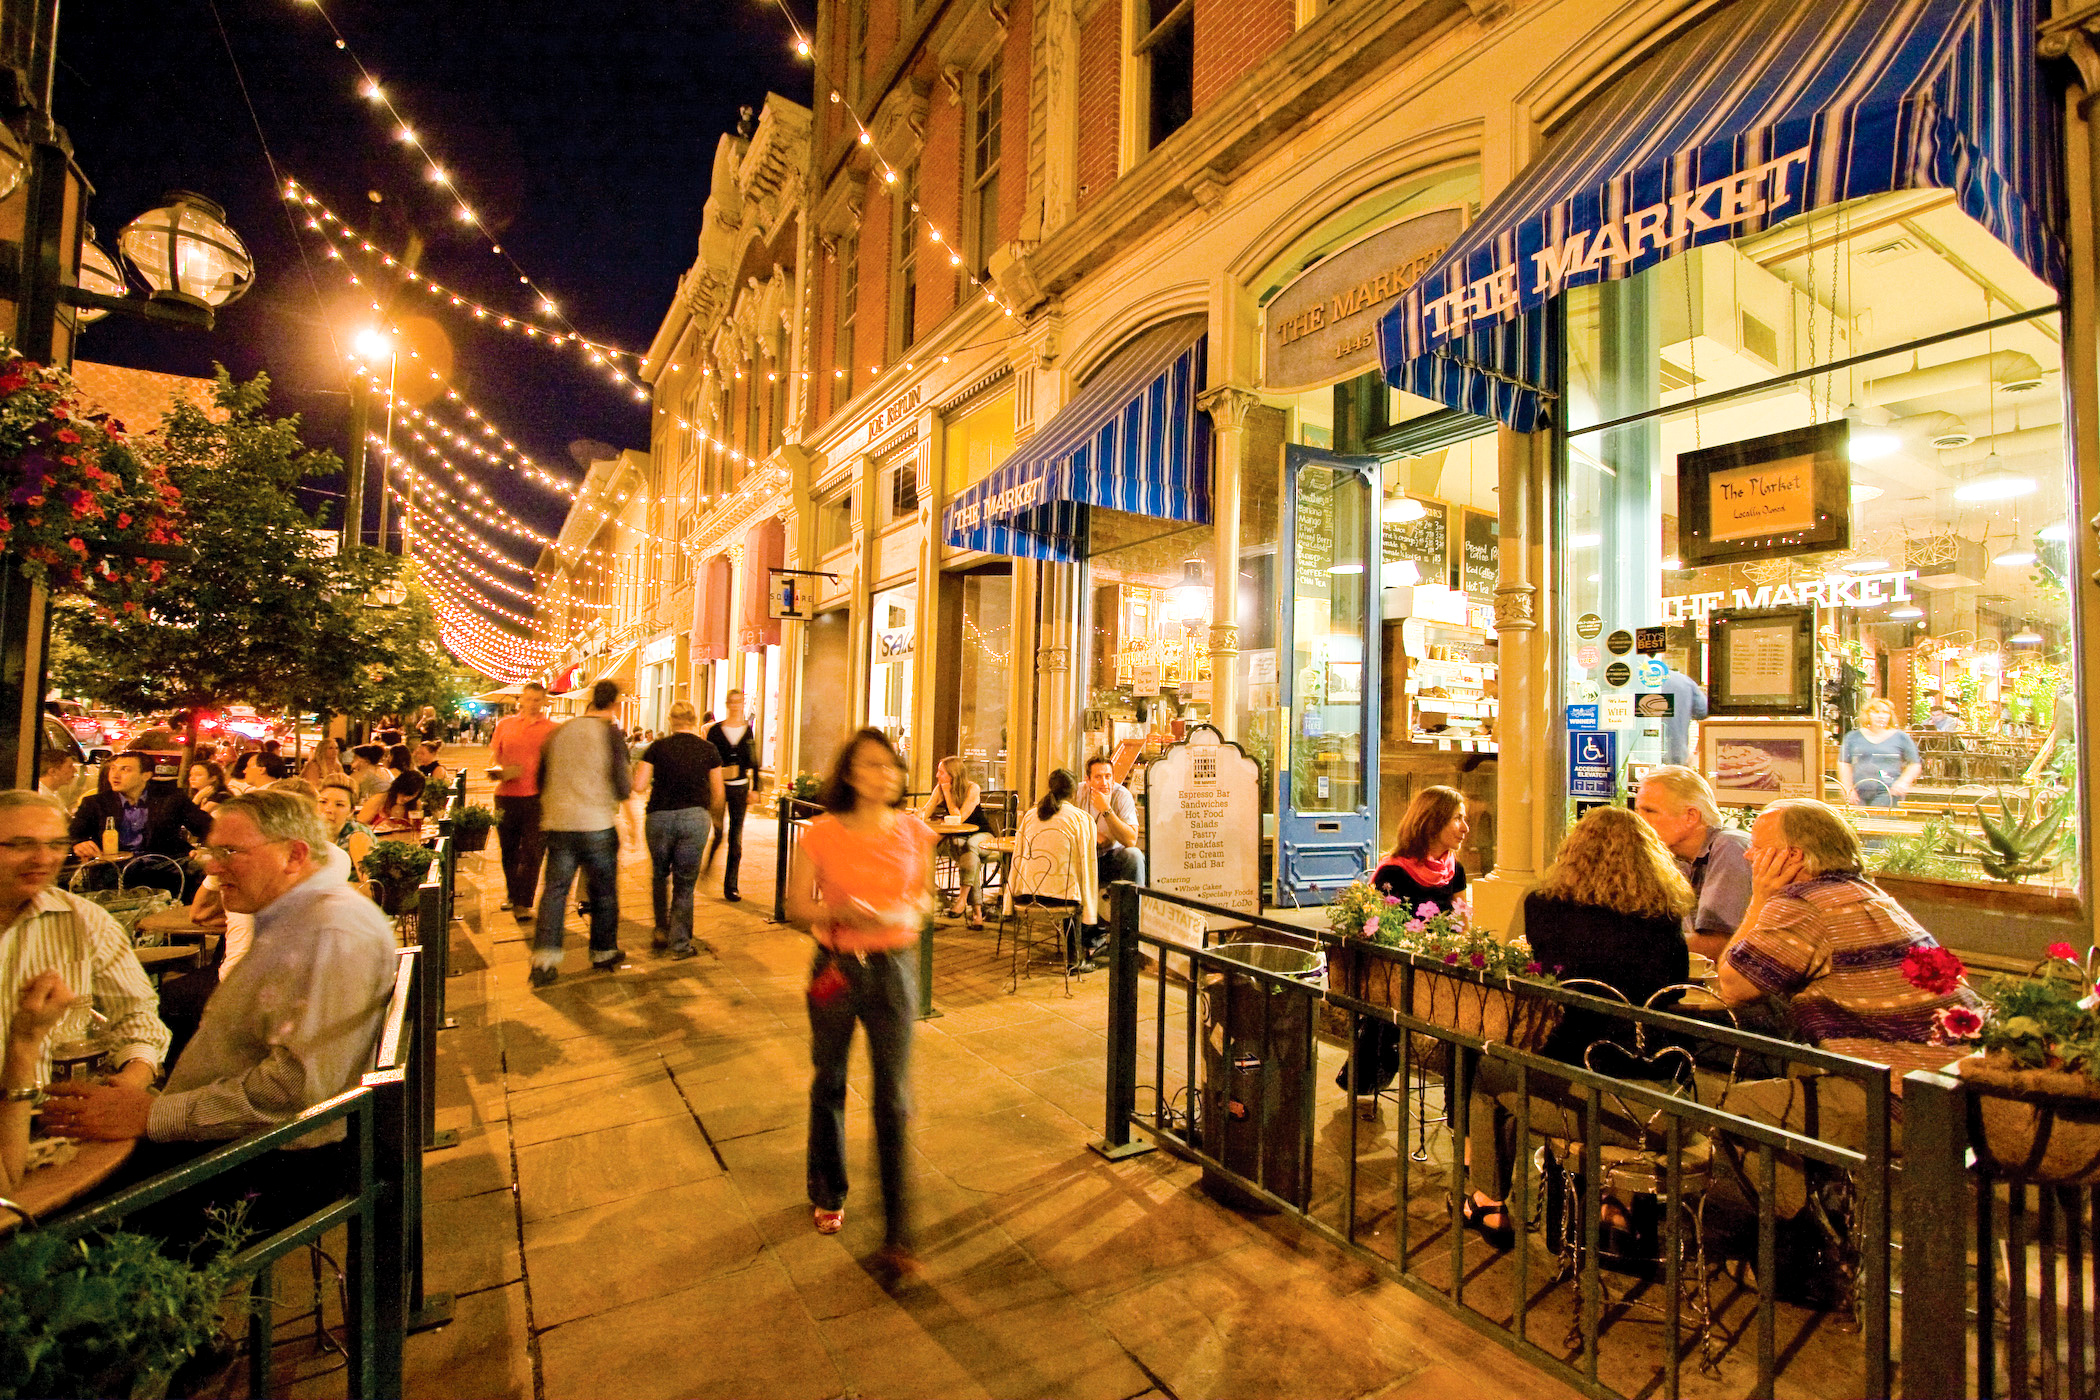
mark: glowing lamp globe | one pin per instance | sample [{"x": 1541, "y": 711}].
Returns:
[{"x": 186, "y": 252}]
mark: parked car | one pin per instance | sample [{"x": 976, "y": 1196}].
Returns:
[{"x": 87, "y": 731}]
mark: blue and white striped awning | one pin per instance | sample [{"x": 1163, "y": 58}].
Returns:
[
  {"x": 1767, "y": 110},
  {"x": 1132, "y": 439}
]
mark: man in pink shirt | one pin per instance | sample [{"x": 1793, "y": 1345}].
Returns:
[{"x": 515, "y": 764}]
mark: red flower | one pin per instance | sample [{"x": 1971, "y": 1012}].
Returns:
[
  {"x": 1959, "y": 1022},
  {"x": 76, "y": 546},
  {"x": 123, "y": 520},
  {"x": 68, "y": 435},
  {"x": 1936, "y": 970},
  {"x": 2064, "y": 951}
]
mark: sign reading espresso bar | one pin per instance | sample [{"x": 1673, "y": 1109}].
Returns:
[{"x": 1324, "y": 326}]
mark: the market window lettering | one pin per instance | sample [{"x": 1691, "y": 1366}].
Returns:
[
  {"x": 1830, "y": 591},
  {"x": 1758, "y": 192}
]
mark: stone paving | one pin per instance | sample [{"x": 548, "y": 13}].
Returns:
[{"x": 624, "y": 1214}]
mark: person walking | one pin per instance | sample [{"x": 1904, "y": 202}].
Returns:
[
  {"x": 584, "y": 779},
  {"x": 863, "y": 885},
  {"x": 737, "y": 742},
  {"x": 514, "y": 762},
  {"x": 681, "y": 775}
]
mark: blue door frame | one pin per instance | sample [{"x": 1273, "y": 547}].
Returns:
[{"x": 1326, "y": 840}]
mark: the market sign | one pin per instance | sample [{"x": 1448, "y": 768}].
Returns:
[
  {"x": 1831, "y": 591},
  {"x": 1203, "y": 822},
  {"x": 1324, "y": 326}
]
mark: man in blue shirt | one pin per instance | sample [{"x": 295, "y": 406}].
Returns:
[{"x": 1689, "y": 704}]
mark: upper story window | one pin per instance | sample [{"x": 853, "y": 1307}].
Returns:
[
  {"x": 1168, "y": 51},
  {"x": 835, "y": 524},
  {"x": 856, "y": 49},
  {"x": 848, "y": 306},
  {"x": 777, "y": 405},
  {"x": 908, "y": 230},
  {"x": 981, "y": 173},
  {"x": 902, "y": 495}
]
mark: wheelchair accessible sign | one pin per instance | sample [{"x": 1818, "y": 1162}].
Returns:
[{"x": 1592, "y": 766}]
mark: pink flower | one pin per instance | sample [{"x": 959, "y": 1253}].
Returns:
[
  {"x": 1392, "y": 899},
  {"x": 1370, "y": 926},
  {"x": 1936, "y": 970},
  {"x": 2064, "y": 951},
  {"x": 1533, "y": 968},
  {"x": 1415, "y": 926},
  {"x": 1451, "y": 959},
  {"x": 1959, "y": 1022},
  {"x": 1427, "y": 909},
  {"x": 1479, "y": 960}
]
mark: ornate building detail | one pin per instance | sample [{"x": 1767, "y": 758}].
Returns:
[
  {"x": 1049, "y": 660},
  {"x": 1228, "y": 406},
  {"x": 1224, "y": 639},
  {"x": 1515, "y": 608}
]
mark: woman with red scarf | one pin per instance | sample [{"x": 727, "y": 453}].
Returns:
[{"x": 1422, "y": 869}]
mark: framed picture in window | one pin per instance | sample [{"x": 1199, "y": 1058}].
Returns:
[
  {"x": 1751, "y": 762},
  {"x": 1761, "y": 662},
  {"x": 1766, "y": 498}
]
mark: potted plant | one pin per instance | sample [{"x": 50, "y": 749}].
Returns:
[
  {"x": 1465, "y": 977},
  {"x": 110, "y": 1315},
  {"x": 396, "y": 870},
  {"x": 2034, "y": 1078},
  {"x": 470, "y": 828}
]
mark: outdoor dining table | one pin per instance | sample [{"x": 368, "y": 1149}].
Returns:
[{"x": 48, "y": 1189}]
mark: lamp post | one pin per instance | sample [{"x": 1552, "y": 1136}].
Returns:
[{"x": 54, "y": 280}]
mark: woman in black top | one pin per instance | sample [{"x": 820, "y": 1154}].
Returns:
[
  {"x": 681, "y": 774},
  {"x": 1609, "y": 909},
  {"x": 956, "y": 797},
  {"x": 737, "y": 742},
  {"x": 1422, "y": 869}
]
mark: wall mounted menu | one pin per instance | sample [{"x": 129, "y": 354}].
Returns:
[
  {"x": 1481, "y": 567},
  {"x": 1315, "y": 531},
  {"x": 1425, "y": 541}
]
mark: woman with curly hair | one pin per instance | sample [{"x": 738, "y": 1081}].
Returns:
[{"x": 1610, "y": 909}]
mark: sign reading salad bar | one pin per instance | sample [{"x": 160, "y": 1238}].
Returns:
[{"x": 1324, "y": 325}]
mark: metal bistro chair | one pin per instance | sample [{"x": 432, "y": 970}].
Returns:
[
  {"x": 1638, "y": 1173},
  {"x": 1044, "y": 863}
]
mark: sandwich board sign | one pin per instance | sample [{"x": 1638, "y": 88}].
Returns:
[{"x": 1203, "y": 822}]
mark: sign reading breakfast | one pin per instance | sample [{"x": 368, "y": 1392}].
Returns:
[
  {"x": 1772, "y": 498},
  {"x": 1324, "y": 325}
]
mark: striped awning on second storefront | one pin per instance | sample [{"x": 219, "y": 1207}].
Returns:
[
  {"x": 1132, "y": 440},
  {"x": 1767, "y": 110}
]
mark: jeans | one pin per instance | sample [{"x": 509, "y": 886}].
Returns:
[
  {"x": 518, "y": 837},
  {"x": 736, "y": 797},
  {"x": 882, "y": 994},
  {"x": 969, "y": 865},
  {"x": 1115, "y": 863},
  {"x": 676, "y": 840},
  {"x": 597, "y": 853}
]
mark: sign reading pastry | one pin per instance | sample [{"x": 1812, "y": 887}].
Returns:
[
  {"x": 1203, "y": 822},
  {"x": 1324, "y": 325}
]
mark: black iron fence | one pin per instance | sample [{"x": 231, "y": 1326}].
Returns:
[{"x": 1718, "y": 1197}]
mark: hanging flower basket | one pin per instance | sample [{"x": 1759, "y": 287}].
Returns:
[
  {"x": 74, "y": 496},
  {"x": 2034, "y": 1125},
  {"x": 1472, "y": 1003}
]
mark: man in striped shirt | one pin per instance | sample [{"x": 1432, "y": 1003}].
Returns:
[{"x": 48, "y": 930}]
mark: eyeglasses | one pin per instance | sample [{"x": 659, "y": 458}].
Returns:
[
  {"x": 27, "y": 845},
  {"x": 219, "y": 855}
]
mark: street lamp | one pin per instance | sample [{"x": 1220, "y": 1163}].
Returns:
[
  {"x": 100, "y": 274},
  {"x": 371, "y": 345},
  {"x": 187, "y": 254}
]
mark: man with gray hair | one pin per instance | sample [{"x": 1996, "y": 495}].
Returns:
[
  {"x": 293, "y": 1024},
  {"x": 1679, "y": 806}
]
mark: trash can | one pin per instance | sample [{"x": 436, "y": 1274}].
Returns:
[{"x": 1258, "y": 1067}]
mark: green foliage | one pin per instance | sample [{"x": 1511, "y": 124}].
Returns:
[
  {"x": 1924, "y": 853},
  {"x": 92, "y": 1317},
  {"x": 806, "y": 786},
  {"x": 2023, "y": 844},
  {"x": 398, "y": 862},
  {"x": 268, "y": 612},
  {"x": 1364, "y": 911},
  {"x": 2040, "y": 1022},
  {"x": 468, "y": 820}
]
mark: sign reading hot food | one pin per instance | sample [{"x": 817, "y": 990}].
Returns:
[
  {"x": 1787, "y": 493},
  {"x": 1324, "y": 326}
]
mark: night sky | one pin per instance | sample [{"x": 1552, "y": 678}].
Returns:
[{"x": 584, "y": 134}]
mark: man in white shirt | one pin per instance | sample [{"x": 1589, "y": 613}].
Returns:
[
  {"x": 1116, "y": 853},
  {"x": 43, "y": 929},
  {"x": 292, "y": 1026},
  {"x": 584, "y": 779}
]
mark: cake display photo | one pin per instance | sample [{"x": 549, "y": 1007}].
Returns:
[{"x": 1749, "y": 764}]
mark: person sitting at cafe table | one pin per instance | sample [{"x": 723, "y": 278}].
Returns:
[
  {"x": 425, "y": 761},
  {"x": 397, "y": 810},
  {"x": 1053, "y": 866},
  {"x": 44, "y": 1002},
  {"x": 1678, "y": 805},
  {"x": 1821, "y": 934},
  {"x": 957, "y": 798},
  {"x": 47, "y": 929},
  {"x": 1877, "y": 763},
  {"x": 60, "y": 775},
  {"x": 290, "y": 1027},
  {"x": 368, "y": 771},
  {"x": 144, "y": 823},
  {"x": 1610, "y": 909},
  {"x": 1114, "y": 812}
]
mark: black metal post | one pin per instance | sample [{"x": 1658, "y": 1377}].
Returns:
[
  {"x": 354, "y": 466},
  {"x": 430, "y": 996},
  {"x": 1116, "y": 1142},
  {"x": 1935, "y": 1238},
  {"x": 780, "y": 859}
]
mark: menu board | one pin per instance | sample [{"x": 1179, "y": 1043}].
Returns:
[
  {"x": 1425, "y": 541},
  {"x": 1481, "y": 568},
  {"x": 1315, "y": 531}
]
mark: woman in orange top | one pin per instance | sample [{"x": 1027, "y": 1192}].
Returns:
[{"x": 862, "y": 884}]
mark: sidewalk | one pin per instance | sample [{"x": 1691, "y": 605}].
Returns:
[{"x": 624, "y": 1215}]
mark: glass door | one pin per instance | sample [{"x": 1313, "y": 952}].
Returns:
[{"x": 1327, "y": 789}]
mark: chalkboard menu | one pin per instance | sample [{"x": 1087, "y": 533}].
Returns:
[
  {"x": 1315, "y": 530},
  {"x": 1425, "y": 541},
  {"x": 1482, "y": 565}
]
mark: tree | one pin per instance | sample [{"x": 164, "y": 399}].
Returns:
[{"x": 267, "y": 611}]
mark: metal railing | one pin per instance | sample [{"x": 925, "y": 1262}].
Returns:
[
  {"x": 791, "y": 810},
  {"x": 1244, "y": 1053},
  {"x": 380, "y": 1202}
]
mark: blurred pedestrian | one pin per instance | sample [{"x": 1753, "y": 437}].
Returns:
[
  {"x": 737, "y": 743},
  {"x": 584, "y": 780},
  {"x": 514, "y": 764},
  {"x": 681, "y": 775}
]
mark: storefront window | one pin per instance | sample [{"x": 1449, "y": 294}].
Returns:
[
  {"x": 976, "y": 439},
  {"x": 890, "y": 671},
  {"x": 987, "y": 671},
  {"x": 1149, "y": 641},
  {"x": 1932, "y": 577},
  {"x": 1327, "y": 640}
]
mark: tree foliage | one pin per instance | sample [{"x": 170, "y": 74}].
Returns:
[{"x": 268, "y": 612}]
